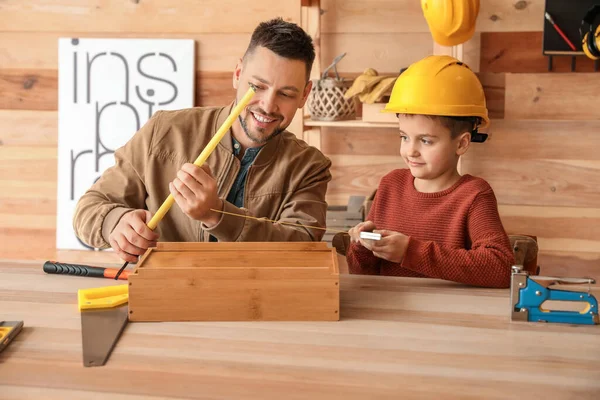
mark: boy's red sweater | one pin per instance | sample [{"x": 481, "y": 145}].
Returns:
[{"x": 455, "y": 234}]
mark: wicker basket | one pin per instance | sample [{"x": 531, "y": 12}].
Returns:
[{"x": 327, "y": 103}]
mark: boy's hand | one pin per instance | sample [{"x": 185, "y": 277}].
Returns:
[
  {"x": 195, "y": 191},
  {"x": 391, "y": 247},
  {"x": 354, "y": 233},
  {"x": 132, "y": 237}
]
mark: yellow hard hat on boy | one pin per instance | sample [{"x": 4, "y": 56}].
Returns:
[
  {"x": 440, "y": 85},
  {"x": 451, "y": 22}
]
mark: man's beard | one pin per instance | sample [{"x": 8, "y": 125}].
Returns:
[{"x": 258, "y": 140}]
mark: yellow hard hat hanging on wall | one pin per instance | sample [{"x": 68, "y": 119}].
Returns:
[{"x": 451, "y": 22}]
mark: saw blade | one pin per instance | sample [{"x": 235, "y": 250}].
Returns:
[{"x": 100, "y": 331}]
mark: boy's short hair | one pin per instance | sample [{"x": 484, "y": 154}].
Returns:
[
  {"x": 285, "y": 39},
  {"x": 456, "y": 125}
]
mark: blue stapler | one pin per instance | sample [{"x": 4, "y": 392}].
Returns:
[{"x": 528, "y": 294}]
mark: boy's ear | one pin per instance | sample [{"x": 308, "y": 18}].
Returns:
[{"x": 464, "y": 141}]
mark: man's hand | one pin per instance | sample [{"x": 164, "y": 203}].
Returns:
[
  {"x": 195, "y": 191},
  {"x": 132, "y": 237}
]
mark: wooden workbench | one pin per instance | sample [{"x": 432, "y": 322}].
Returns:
[{"x": 397, "y": 338}]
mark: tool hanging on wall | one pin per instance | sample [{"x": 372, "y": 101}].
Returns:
[
  {"x": 590, "y": 37},
  {"x": 53, "y": 267},
  {"x": 8, "y": 331},
  {"x": 571, "y": 29},
  {"x": 206, "y": 152},
  {"x": 560, "y": 32},
  {"x": 451, "y": 22}
]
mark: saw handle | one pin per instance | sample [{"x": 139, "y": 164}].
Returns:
[{"x": 53, "y": 267}]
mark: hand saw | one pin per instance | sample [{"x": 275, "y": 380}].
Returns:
[{"x": 104, "y": 314}]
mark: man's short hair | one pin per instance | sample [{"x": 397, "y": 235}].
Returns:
[{"x": 285, "y": 39}]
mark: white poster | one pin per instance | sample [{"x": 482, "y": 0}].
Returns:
[{"x": 107, "y": 89}]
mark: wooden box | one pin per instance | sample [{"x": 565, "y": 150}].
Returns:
[
  {"x": 372, "y": 113},
  {"x": 292, "y": 281}
]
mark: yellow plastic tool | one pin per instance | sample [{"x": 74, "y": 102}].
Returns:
[
  {"x": 102, "y": 297},
  {"x": 8, "y": 331}
]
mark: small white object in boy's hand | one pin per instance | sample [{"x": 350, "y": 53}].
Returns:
[{"x": 370, "y": 235}]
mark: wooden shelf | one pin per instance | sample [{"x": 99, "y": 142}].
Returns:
[{"x": 355, "y": 123}]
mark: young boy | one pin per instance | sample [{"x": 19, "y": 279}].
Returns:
[{"x": 434, "y": 222}]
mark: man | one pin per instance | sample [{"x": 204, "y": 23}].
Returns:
[{"x": 258, "y": 169}]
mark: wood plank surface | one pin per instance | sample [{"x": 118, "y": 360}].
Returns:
[
  {"x": 521, "y": 52},
  {"x": 39, "y": 50},
  {"x": 215, "y": 52},
  {"x": 414, "y": 338},
  {"x": 214, "y": 88},
  {"x": 518, "y": 140},
  {"x": 387, "y": 53},
  {"x": 158, "y": 299},
  {"x": 574, "y": 264},
  {"x": 574, "y": 183},
  {"x": 494, "y": 87},
  {"x": 38, "y": 89},
  {"x": 177, "y": 16},
  {"x": 568, "y": 96},
  {"x": 22, "y": 89},
  {"x": 358, "y": 175},
  {"x": 510, "y": 16},
  {"x": 243, "y": 246},
  {"x": 40, "y": 205},
  {"x": 567, "y": 229},
  {"x": 407, "y": 16},
  {"x": 372, "y": 16},
  {"x": 27, "y": 163},
  {"x": 210, "y": 259},
  {"x": 28, "y": 128},
  {"x": 360, "y": 141}
]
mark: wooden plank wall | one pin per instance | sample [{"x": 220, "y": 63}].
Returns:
[{"x": 541, "y": 158}]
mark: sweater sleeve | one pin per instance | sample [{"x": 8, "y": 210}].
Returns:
[
  {"x": 487, "y": 263},
  {"x": 361, "y": 260}
]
